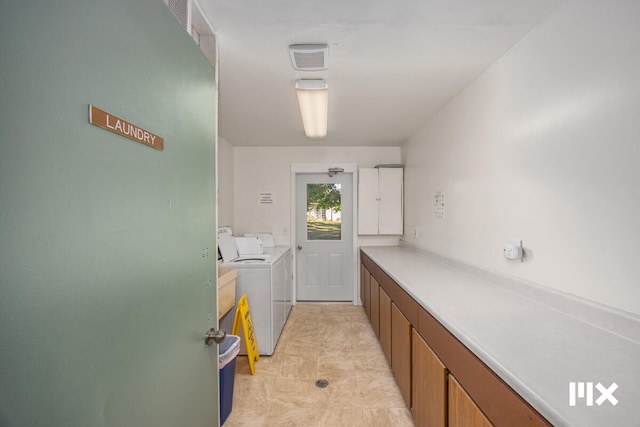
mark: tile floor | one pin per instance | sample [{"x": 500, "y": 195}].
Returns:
[{"x": 320, "y": 341}]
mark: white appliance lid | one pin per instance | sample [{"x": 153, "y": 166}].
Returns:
[
  {"x": 225, "y": 229},
  {"x": 249, "y": 245},
  {"x": 228, "y": 248},
  {"x": 267, "y": 238}
]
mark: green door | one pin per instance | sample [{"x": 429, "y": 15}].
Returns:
[{"x": 107, "y": 246}]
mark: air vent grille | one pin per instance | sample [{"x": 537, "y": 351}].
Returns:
[
  {"x": 193, "y": 20},
  {"x": 180, "y": 9},
  {"x": 309, "y": 57},
  {"x": 308, "y": 60}
]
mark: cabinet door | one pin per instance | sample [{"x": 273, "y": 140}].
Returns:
[
  {"x": 429, "y": 385},
  {"x": 401, "y": 352},
  {"x": 463, "y": 411},
  {"x": 390, "y": 201},
  {"x": 367, "y": 291},
  {"x": 362, "y": 284},
  {"x": 368, "y": 201},
  {"x": 385, "y": 324},
  {"x": 374, "y": 306}
]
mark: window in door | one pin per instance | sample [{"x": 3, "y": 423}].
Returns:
[{"x": 324, "y": 220}]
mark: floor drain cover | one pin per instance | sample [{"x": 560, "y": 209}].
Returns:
[{"x": 322, "y": 383}]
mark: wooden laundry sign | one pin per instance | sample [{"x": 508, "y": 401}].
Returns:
[
  {"x": 124, "y": 128},
  {"x": 244, "y": 316}
]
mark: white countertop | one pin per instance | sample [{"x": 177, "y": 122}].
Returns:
[{"x": 527, "y": 337}]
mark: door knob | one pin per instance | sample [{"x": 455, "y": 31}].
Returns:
[
  {"x": 213, "y": 334},
  {"x": 299, "y": 247}
]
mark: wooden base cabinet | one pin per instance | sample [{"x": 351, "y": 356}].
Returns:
[
  {"x": 362, "y": 269},
  {"x": 385, "y": 324},
  {"x": 429, "y": 386},
  {"x": 425, "y": 356},
  {"x": 374, "y": 306},
  {"x": 463, "y": 412},
  {"x": 401, "y": 352},
  {"x": 366, "y": 290}
]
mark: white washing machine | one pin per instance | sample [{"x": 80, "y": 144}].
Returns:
[{"x": 267, "y": 280}]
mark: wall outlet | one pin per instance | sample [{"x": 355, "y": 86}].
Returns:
[
  {"x": 416, "y": 232},
  {"x": 513, "y": 250}
]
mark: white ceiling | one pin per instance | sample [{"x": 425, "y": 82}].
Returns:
[{"x": 392, "y": 63}]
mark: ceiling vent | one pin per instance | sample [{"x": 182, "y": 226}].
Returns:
[{"x": 309, "y": 57}]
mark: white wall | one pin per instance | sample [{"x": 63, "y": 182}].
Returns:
[
  {"x": 544, "y": 147},
  {"x": 225, "y": 183},
  {"x": 260, "y": 169}
]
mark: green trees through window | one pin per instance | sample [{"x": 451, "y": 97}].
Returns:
[{"x": 323, "y": 211}]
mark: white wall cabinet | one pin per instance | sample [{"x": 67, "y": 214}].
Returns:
[{"x": 380, "y": 201}]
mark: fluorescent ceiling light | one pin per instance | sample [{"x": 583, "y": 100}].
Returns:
[{"x": 313, "y": 99}]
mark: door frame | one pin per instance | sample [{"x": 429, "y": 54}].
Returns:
[{"x": 304, "y": 168}]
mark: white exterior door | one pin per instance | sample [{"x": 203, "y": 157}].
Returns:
[{"x": 324, "y": 237}]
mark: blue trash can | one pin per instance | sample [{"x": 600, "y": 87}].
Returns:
[{"x": 229, "y": 349}]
